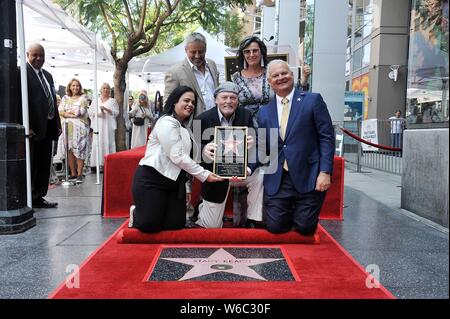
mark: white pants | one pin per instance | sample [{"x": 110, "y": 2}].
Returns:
[{"x": 211, "y": 214}]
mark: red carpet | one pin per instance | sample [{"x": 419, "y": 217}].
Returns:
[
  {"x": 119, "y": 170},
  {"x": 118, "y": 270},
  {"x": 214, "y": 236}
]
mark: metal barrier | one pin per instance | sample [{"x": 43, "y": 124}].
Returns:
[{"x": 389, "y": 133}]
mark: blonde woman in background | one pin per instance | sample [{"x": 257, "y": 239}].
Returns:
[
  {"x": 106, "y": 110},
  {"x": 73, "y": 110},
  {"x": 141, "y": 110}
]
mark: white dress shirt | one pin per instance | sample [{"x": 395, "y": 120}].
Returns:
[
  {"x": 206, "y": 84},
  {"x": 223, "y": 120},
  {"x": 50, "y": 89},
  {"x": 280, "y": 106}
]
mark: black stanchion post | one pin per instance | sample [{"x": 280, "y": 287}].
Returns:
[
  {"x": 358, "y": 167},
  {"x": 66, "y": 182},
  {"x": 15, "y": 216}
]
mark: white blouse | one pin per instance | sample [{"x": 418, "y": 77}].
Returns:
[{"x": 168, "y": 149}]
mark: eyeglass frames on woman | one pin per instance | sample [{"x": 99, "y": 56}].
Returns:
[{"x": 253, "y": 51}]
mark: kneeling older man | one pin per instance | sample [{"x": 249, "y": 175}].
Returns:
[{"x": 226, "y": 113}]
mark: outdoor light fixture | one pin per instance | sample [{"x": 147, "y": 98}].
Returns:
[
  {"x": 394, "y": 72},
  {"x": 270, "y": 39}
]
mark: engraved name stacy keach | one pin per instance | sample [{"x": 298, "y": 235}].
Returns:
[{"x": 230, "y": 158}]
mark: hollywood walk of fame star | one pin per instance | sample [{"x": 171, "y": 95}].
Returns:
[
  {"x": 231, "y": 145},
  {"x": 222, "y": 261}
]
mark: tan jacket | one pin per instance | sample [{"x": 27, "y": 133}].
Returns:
[{"x": 181, "y": 74}]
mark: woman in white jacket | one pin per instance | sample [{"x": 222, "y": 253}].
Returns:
[
  {"x": 158, "y": 187},
  {"x": 106, "y": 109}
]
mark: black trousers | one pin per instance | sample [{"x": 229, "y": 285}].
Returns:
[
  {"x": 40, "y": 159},
  {"x": 289, "y": 209},
  {"x": 160, "y": 202}
]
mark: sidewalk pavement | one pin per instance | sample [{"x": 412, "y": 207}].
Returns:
[
  {"x": 412, "y": 257},
  {"x": 410, "y": 254}
]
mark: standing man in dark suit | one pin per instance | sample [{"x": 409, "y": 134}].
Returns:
[
  {"x": 195, "y": 71},
  {"x": 226, "y": 113},
  {"x": 45, "y": 125},
  {"x": 295, "y": 188}
]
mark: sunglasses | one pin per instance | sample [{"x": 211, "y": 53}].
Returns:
[{"x": 142, "y": 97}]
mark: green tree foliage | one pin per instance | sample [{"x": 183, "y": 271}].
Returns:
[
  {"x": 232, "y": 27},
  {"x": 135, "y": 27}
]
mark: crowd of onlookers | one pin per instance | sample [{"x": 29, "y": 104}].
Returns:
[{"x": 81, "y": 117}]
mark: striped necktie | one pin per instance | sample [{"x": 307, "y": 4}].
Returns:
[
  {"x": 51, "y": 109},
  {"x": 284, "y": 121}
]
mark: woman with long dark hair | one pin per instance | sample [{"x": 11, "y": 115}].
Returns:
[
  {"x": 158, "y": 187},
  {"x": 254, "y": 90}
]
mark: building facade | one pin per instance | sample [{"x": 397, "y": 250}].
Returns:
[{"x": 396, "y": 59}]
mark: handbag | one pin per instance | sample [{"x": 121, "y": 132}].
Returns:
[{"x": 139, "y": 121}]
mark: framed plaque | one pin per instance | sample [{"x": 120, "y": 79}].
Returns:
[{"x": 230, "y": 158}]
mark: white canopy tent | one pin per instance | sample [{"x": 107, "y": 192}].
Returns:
[
  {"x": 154, "y": 67},
  {"x": 68, "y": 46}
]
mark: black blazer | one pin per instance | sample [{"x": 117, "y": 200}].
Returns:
[
  {"x": 38, "y": 107},
  {"x": 216, "y": 192}
]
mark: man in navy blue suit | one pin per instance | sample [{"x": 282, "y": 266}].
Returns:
[{"x": 295, "y": 182}]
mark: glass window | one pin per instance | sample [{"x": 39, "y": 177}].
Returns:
[
  {"x": 349, "y": 18},
  {"x": 367, "y": 18},
  {"x": 358, "y": 36},
  {"x": 428, "y": 66},
  {"x": 359, "y": 18},
  {"x": 357, "y": 60},
  {"x": 309, "y": 32},
  {"x": 365, "y": 60},
  {"x": 348, "y": 57}
]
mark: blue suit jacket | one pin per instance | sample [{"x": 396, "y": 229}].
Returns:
[{"x": 309, "y": 143}]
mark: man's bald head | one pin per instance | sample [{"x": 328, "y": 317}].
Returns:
[{"x": 36, "y": 55}]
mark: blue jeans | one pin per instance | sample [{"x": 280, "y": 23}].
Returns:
[{"x": 397, "y": 140}]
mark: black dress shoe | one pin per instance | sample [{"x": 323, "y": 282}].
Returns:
[
  {"x": 250, "y": 223},
  {"x": 194, "y": 216},
  {"x": 191, "y": 224},
  {"x": 44, "y": 204}
]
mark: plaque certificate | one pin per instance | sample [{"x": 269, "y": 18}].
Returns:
[{"x": 230, "y": 158}]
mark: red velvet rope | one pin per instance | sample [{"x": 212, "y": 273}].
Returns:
[{"x": 356, "y": 137}]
